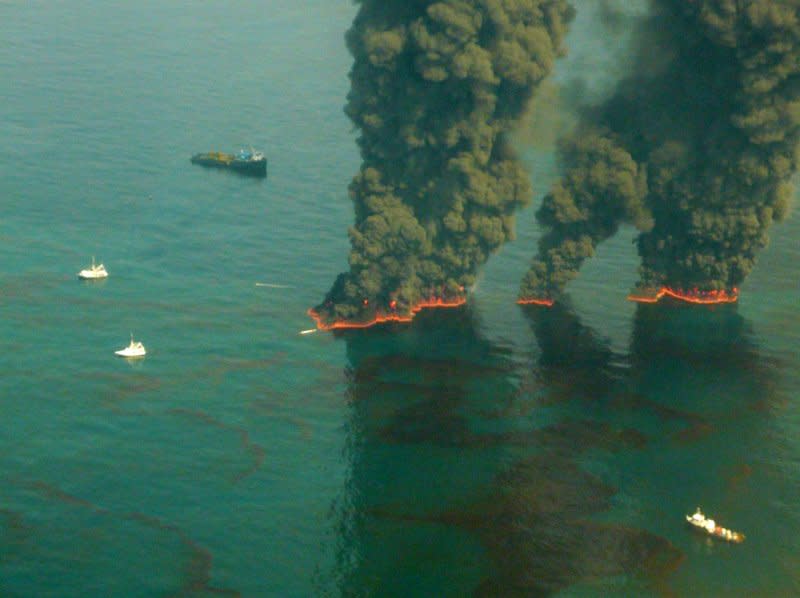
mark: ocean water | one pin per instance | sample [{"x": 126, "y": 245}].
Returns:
[{"x": 489, "y": 450}]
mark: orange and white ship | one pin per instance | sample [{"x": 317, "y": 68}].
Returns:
[{"x": 710, "y": 527}]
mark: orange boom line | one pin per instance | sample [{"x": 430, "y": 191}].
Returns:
[
  {"x": 694, "y": 296},
  {"x": 384, "y": 318},
  {"x": 534, "y": 301}
]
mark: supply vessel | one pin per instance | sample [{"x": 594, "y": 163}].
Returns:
[
  {"x": 710, "y": 527},
  {"x": 248, "y": 162}
]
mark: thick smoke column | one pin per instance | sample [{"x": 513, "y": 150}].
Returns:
[
  {"x": 436, "y": 88},
  {"x": 696, "y": 148}
]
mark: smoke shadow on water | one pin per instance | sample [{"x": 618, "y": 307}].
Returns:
[
  {"x": 472, "y": 472},
  {"x": 695, "y": 385}
]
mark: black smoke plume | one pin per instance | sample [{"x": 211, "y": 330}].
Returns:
[
  {"x": 436, "y": 87},
  {"x": 696, "y": 149}
]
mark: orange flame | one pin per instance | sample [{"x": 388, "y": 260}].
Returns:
[
  {"x": 535, "y": 301},
  {"x": 384, "y": 318},
  {"x": 689, "y": 296}
]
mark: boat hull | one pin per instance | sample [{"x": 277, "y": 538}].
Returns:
[
  {"x": 132, "y": 350},
  {"x": 89, "y": 275},
  {"x": 256, "y": 168},
  {"x": 718, "y": 532},
  {"x": 126, "y": 353}
]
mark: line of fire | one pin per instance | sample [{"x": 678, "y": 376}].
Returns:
[
  {"x": 388, "y": 316},
  {"x": 392, "y": 316}
]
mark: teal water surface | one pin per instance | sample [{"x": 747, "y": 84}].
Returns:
[{"x": 486, "y": 451}]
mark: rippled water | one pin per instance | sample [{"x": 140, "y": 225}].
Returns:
[{"x": 488, "y": 450}]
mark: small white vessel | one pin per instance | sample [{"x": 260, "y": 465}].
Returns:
[
  {"x": 93, "y": 272},
  {"x": 708, "y": 526},
  {"x": 135, "y": 349}
]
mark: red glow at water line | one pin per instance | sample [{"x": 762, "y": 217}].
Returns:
[
  {"x": 689, "y": 296},
  {"x": 384, "y": 318},
  {"x": 535, "y": 301}
]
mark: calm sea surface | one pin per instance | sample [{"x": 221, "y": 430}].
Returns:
[{"x": 490, "y": 450}]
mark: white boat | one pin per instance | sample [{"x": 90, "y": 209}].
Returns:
[
  {"x": 135, "y": 349},
  {"x": 710, "y": 527},
  {"x": 93, "y": 272}
]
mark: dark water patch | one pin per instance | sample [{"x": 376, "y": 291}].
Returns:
[
  {"x": 524, "y": 402},
  {"x": 790, "y": 564},
  {"x": 117, "y": 390},
  {"x": 771, "y": 403},
  {"x": 547, "y": 484},
  {"x": 571, "y": 437},
  {"x": 197, "y": 560},
  {"x": 438, "y": 420},
  {"x": 428, "y": 384},
  {"x": 694, "y": 426},
  {"x": 223, "y": 365},
  {"x": 15, "y": 532},
  {"x": 530, "y": 518},
  {"x": 696, "y": 431},
  {"x": 220, "y": 367},
  {"x": 533, "y": 526},
  {"x": 430, "y": 422},
  {"x": 717, "y": 336},
  {"x": 676, "y": 353},
  {"x": 528, "y": 564},
  {"x": 703, "y": 366},
  {"x": 738, "y": 476},
  {"x": 574, "y": 361},
  {"x": 412, "y": 374},
  {"x": 197, "y": 570},
  {"x": 579, "y": 407},
  {"x": 407, "y": 388},
  {"x": 434, "y": 334},
  {"x": 256, "y": 452},
  {"x": 165, "y": 446},
  {"x": 129, "y": 388},
  {"x": 423, "y": 371},
  {"x": 32, "y": 287},
  {"x": 268, "y": 408},
  {"x": 577, "y": 436},
  {"x": 56, "y": 494},
  {"x": 433, "y": 370}
]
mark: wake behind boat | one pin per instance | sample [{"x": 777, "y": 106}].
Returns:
[
  {"x": 709, "y": 527},
  {"x": 135, "y": 349},
  {"x": 93, "y": 272}
]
